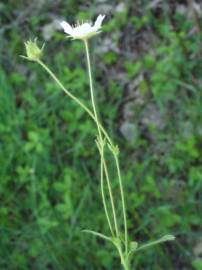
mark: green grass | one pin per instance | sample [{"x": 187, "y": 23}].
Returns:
[{"x": 49, "y": 173}]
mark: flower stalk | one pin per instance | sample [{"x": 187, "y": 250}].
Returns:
[
  {"x": 91, "y": 88},
  {"x": 100, "y": 137}
]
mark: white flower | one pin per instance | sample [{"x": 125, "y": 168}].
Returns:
[{"x": 85, "y": 30}]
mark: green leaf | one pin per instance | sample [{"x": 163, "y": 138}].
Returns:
[
  {"x": 99, "y": 235},
  {"x": 161, "y": 240}
]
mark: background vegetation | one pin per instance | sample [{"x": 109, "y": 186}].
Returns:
[{"x": 147, "y": 64}]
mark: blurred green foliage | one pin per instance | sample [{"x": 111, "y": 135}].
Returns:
[{"x": 49, "y": 167}]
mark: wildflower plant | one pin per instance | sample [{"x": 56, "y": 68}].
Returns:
[{"x": 125, "y": 247}]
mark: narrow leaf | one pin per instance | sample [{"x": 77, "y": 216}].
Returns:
[
  {"x": 98, "y": 235},
  {"x": 161, "y": 240}
]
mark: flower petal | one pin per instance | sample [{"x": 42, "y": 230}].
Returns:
[
  {"x": 67, "y": 27},
  {"x": 99, "y": 20},
  {"x": 82, "y": 30}
]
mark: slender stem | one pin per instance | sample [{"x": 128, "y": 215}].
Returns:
[
  {"x": 123, "y": 202},
  {"x": 73, "y": 97},
  {"x": 100, "y": 136},
  {"x": 104, "y": 168},
  {"x": 116, "y": 159},
  {"x": 111, "y": 197},
  {"x": 82, "y": 105},
  {"x": 124, "y": 260},
  {"x": 91, "y": 88},
  {"x": 102, "y": 190}
]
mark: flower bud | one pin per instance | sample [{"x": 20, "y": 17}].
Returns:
[{"x": 34, "y": 53}]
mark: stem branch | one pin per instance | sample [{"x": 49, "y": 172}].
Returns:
[{"x": 80, "y": 103}]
